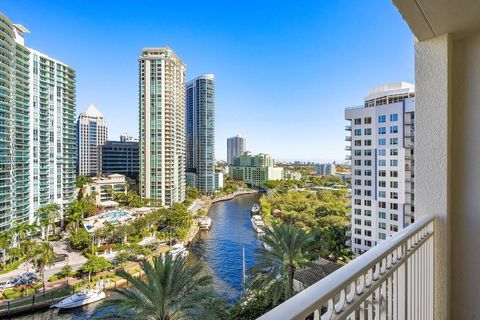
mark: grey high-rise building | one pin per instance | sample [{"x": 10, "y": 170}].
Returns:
[
  {"x": 200, "y": 134},
  {"x": 162, "y": 125},
  {"x": 119, "y": 157},
  {"x": 235, "y": 147}
]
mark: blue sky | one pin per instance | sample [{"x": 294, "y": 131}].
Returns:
[{"x": 284, "y": 71}]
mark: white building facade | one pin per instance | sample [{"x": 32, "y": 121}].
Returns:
[
  {"x": 91, "y": 133},
  {"x": 381, "y": 145},
  {"x": 326, "y": 169},
  {"x": 52, "y": 132},
  {"x": 162, "y": 125}
]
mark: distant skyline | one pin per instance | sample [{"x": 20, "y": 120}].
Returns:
[{"x": 284, "y": 72}]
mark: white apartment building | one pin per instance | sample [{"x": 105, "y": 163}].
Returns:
[
  {"x": 326, "y": 169},
  {"x": 162, "y": 125},
  {"x": 91, "y": 133},
  {"x": 381, "y": 145}
]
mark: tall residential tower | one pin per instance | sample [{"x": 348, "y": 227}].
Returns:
[
  {"x": 236, "y": 146},
  {"x": 52, "y": 131},
  {"x": 162, "y": 125},
  {"x": 37, "y": 110},
  {"x": 200, "y": 135},
  {"x": 91, "y": 133},
  {"x": 381, "y": 147}
]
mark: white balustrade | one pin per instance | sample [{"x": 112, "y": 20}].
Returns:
[{"x": 393, "y": 280}]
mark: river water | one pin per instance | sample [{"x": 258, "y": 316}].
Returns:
[{"x": 220, "y": 250}]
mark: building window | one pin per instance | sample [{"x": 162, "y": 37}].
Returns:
[
  {"x": 394, "y": 117},
  {"x": 368, "y": 173},
  {"x": 358, "y": 231},
  {"x": 382, "y": 163},
  {"x": 358, "y": 152},
  {"x": 393, "y": 163},
  {"x": 394, "y": 184},
  {"x": 367, "y": 152},
  {"x": 367, "y": 193},
  {"x": 358, "y": 172},
  {"x": 368, "y": 162},
  {"x": 358, "y": 211},
  {"x": 394, "y": 129},
  {"x": 358, "y": 132},
  {"x": 394, "y": 152},
  {"x": 393, "y": 141},
  {"x": 368, "y": 120},
  {"x": 393, "y": 228},
  {"x": 382, "y": 225},
  {"x": 393, "y": 195},
  {"x": 382, "y": 173},
  {"x": 382, "y": 215},
  {"x": 382, "y": 194},
  {"x": 358, "y": 182},
  {"x": 358, "y": 143},
  {"x": 382, "y": 142},
  {"x": 394, "y": 206},
  {"x": 358, "y": 192},
  {"x": 393, "y": 216},
  {"x": 382, "y": 236},
  {"x": 382, "y": 118},
  {"x": 368, "y": 203},
  {"x": 368, "y": 142},
  {"x": 382, "y": 130},
  {"x": 367, "y": 223},
  {"x": 358, "y": 121},
  {"x": 382, "y": 152},
  {"x": 382, "y": 204},
  {"x": 368, "y": 183},
  {"x": 393, "y": 174},
  {"x": 368, "y": 132},
  {"x": 367, "y": 233},
  {"x": 358, "y": 162},
  {"x": 368, "y": 213}
]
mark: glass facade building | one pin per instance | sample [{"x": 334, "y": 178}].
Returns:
[
  {"x": 119, "y": 157},
  {"x": 162, "y": 125},
  {"x": 200, "y": 134}
]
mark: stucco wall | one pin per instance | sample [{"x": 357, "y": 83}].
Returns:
[
  {"x": 432, "y": 153},
  {"x": 465, "y": 212}
]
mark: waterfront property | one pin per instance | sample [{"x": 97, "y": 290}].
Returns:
[
  {"x": 255, "y": 170},
  {"x": 200, "y": 131},
  {"x": 91, "y": 133},
  {"x": 162, "y": 125},
  {"x": 119, "y": 157},
  {"x": 382, "y": 164}
]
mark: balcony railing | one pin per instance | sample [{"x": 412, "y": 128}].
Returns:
[
  {"x": 393, "y": 280},
  {"x": 348, "y": 138}
]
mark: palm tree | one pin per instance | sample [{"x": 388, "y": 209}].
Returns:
[
  {"x": 42, "y": 258},
  {"x": 5, "y": 242},
  {"x": 22, "y": 231},
  {"x": 289, "y": 248},
  {"x": 170, "y": 290},
  {"x": 48, "y": 215}
]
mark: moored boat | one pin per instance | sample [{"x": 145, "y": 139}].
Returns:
[
  {"x": 178, "y": 250},
  {"x": 258, "y": 224},
  {"x": 255, "y": 209},
  {"x": 205, "y": 223},
  {"x": 80, "y": 298}
]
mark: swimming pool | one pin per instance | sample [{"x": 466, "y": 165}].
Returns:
[{"x": 115, "y": 215}]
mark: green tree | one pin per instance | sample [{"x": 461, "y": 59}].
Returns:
[
  {"x": 80, "y": 183},
  {"x": 80, "y": 239},
  {"x": 48, "y": 215},
  {"x": 42, "y": 258},
  {"x": 5, "y": 242},
  {"x": 95, "y": 264},
  {"x": 289, "y": 248},
  {"x": 66, "y": 272},
  {"x": 170, "y": 290},
  {"x": 23, "y": 230}
]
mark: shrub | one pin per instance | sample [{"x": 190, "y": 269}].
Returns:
[
  {"x": 12, "y": 294},
  {"x": 53, "y": 278}
]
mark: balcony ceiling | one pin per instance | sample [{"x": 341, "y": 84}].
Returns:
[{"x": 431, "y": 18}]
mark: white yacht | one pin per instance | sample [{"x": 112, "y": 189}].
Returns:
[
  {"x": 205, "y": 223},
  {"x": 178, "y": 250},
  {"x": 258, "y": 224},
  {"x": 80, "y": 298},
  {"x": 255, "y": 209}
]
